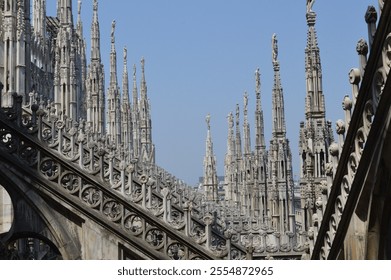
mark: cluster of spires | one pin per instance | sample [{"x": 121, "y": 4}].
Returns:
[
  {"x": 258, "y": 183},
  {"x": 58, "y": 73}
]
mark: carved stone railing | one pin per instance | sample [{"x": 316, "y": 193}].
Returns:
[
  {"x": 364, "y": 118},
  {"x": 257, "y": 236},
  {"x": 143, "y": 200}
]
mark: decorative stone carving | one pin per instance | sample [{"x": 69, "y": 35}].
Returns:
[
  {"x": 362, "y": 47},
  {"x": 387, "y": 53},
  {"x": 340, "y": 127},
  {"x": 371, "y": 15},
  {"x": 155, "y": 237},
  {"x": 347, "y": 103},
  {"x": 334, "y": 149}
]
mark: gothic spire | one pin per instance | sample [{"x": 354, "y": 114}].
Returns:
[
  {"x": 246, "y": 126},
  {"x": 125, "y": 113},
  {"x": 82, "y": 68},
  {"x": 125, "y": 78},
  {"x": 315, "y": 134},
  {"x": 210, "y": 174},
  {"x": 147, "y": 148},
  {"x": 95, "y": 79},
  {"x": 134, "y": 90},
  {"x": 259, "y": 122},
  {"x": 64, "y": 12},
  {"x": 230, "y": 161},
  {"x": 79, "y": 24},
  {"x": 135, "y": 117},
  {"x": 313, "y": 69},
  {"x": 238, "y": 139},
  {"x": 113, "y": 100},
  {"x": 39, "y": 18},
  {"x": 66, "y": 85},
  {"x": 95, "y": 34},
  {"x": 113, "y": 59},
  {"x": 143, "y": 89},
  {"x": 279, "y": 128},
  {"x": 231, "y": 137}
]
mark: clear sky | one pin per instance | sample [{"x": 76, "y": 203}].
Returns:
[{"x": 200, "y": 57}]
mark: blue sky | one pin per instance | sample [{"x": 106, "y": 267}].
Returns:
[{"x": 201, "y": 56}]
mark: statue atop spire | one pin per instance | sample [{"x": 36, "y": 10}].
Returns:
[
  {"x": 210, "y": 173},
  {"x": 134, "y": 76},
  {"x": 257, "y": 83},
  {"x": 315, "y": 134},
  {"x": 274, "y": 49},
  {"x": 112, "y": 32},
  {"x": 237, "y": 114},
  {"x": 207, "y": 119},
  {"x": 310, "y": 14},
  {"x": 310, "y": 3},
  {"x": 142, "y": 65},
  {"x": 260, "y": 136},
  {"x": 278, "y": 96},
  {"x": 245, "y": 103},
  {"x": 79, "y": 26},
  {"x": 230, "y": 118},
  {"x": 79, "y": 8},
  {"x": 125, "y": 56}
]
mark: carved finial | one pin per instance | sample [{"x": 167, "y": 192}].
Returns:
[
  {"x": 340, "y": 127},
  {"x": 274, "y": 48},
  {"x": 310, "y": 3},
  {"x": 333, "y": 149},
  {"x": 371, "y": 15},
  {"x": 362, "y": 47},
  {"x": 347, "y": 103},
  {"x": 134, "y": 71},
  {"x": 207, "y": 119},
  {"x": 95, "y": 6}
]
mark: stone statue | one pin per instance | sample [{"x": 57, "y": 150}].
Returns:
[
  {"x": 125, "y": 54},
  {"x": 79, "y": 7},
  {"x": 245, "y": 102},
  {"x": 310, "y": 3},
  {"x": 207, "y": 119},
  {"x": 257, "y": 75},
  {"x": 237, "y": 113},
  {"x": 142, "y": 63},
  {"x": 112, "y": 29},
  {"x": 274, "y": 48},
  {"x": 230, "y": 120},
  {"x": 258, "y": 83}
]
